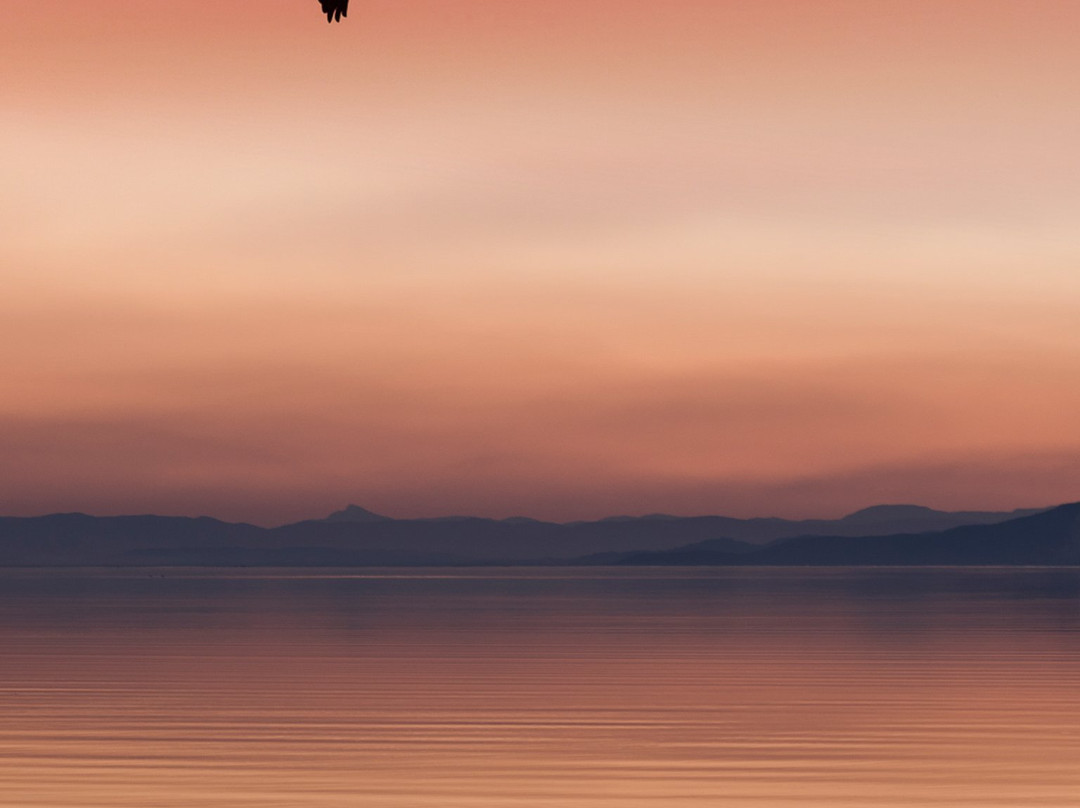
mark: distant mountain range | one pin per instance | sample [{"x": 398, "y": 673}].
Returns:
[
  {"x": 885, "y": 534},
  {"x": 1050, "y": 538}
]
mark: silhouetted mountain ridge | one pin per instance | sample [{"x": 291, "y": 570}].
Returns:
[
  {"x": 877, "y": 513},
  {"x": 354, "y": 513},
  {"x": 356, "y": 536},
  {"x": 1050, "y": 538}
]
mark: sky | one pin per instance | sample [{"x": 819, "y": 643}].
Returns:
[{"x": 556, "y": 258}]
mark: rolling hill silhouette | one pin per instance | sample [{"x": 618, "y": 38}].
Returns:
[
  {"x": 358, "y": 537},
  {"x": 1048, "y": 538}
]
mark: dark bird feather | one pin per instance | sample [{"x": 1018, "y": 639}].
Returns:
[{"x": 335, "y": 9}]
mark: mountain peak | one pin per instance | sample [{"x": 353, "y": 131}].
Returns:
[
  {"x": 877, "y": 513},
  {"x": 354, "y": 513}
]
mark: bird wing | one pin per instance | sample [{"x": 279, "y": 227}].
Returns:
[{"x": 335, "y": 9}]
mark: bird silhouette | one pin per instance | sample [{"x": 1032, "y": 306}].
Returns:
[{"x": 335, "y": 9}]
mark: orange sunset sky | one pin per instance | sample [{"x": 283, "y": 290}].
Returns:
[{"x": 561, "y": 258}]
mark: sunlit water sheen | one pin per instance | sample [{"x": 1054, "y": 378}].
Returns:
[{"x": 540, "y": 688}]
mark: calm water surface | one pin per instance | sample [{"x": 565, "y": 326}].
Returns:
[{"x": 528, "y": 688}]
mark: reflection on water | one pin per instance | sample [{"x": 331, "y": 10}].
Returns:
[{"x": 762, "y": 688}]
